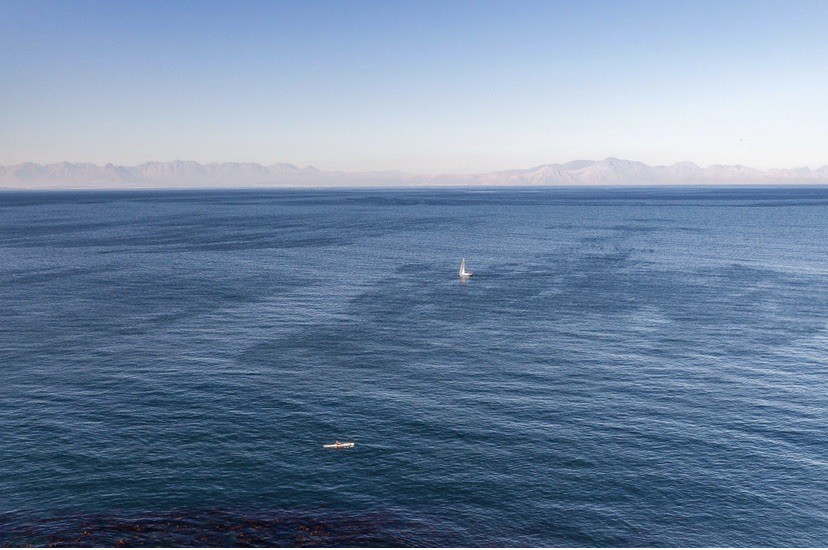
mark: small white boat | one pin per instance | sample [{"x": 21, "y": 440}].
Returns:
[
  {"x": 338, "y": 445},
  {"x": 463, "y": 273}
]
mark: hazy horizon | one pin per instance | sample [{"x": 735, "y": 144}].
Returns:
[
  {"x": 190, "y": 174},
  {"x": 288, "y": 162},
  {"x": 421, "y": 88}
]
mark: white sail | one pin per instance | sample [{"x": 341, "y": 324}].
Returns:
[{"x": 463, "y": 273}]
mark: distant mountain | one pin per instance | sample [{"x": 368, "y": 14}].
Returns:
[
  {"x": 613, "y": 171},
  {"x": 190, "y": 174}
]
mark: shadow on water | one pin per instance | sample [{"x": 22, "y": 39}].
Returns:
[{"x": 214, "y": 528}]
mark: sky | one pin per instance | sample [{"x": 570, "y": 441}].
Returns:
[{"x": 417, "y": 86}]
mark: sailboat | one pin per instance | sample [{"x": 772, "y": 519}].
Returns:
[{"x": 463, "y": 273}]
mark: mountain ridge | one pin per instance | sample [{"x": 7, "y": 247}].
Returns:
[{"x": 610, "y": 171}]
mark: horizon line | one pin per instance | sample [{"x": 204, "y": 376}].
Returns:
[
  {"x": 817, "y": 166},
  {"x": 179, "y": 174}
]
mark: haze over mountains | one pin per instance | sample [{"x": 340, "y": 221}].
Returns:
[{"x": 190, "y": 174}]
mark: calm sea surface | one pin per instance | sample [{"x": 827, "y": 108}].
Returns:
[{"x": 627, "y": 367}]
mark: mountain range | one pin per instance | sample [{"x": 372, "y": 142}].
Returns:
[{"x": 189, "y": 174}]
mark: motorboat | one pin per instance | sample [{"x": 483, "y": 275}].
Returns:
[{"x": 338, "y": 445}]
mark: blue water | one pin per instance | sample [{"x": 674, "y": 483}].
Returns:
[{"x": 627, "y": 367}]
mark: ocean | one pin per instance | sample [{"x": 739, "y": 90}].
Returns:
[{"x": 627, "y": 367}]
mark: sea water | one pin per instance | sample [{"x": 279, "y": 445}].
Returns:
[{"x": 626, "y": 367}]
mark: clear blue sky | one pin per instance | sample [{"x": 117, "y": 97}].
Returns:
[{"x": 418, "y": 86}]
